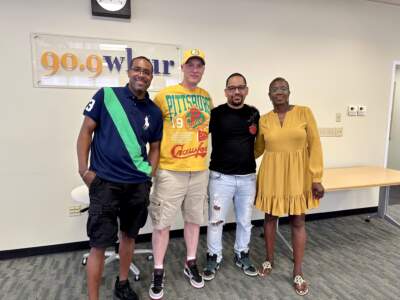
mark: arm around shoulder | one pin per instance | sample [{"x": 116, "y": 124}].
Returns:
[{"x": 259, "y": 145}]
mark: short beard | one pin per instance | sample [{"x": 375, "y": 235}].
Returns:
[
  {"x": 136, "y": 92},
  {"x": 236, "y": 104}
]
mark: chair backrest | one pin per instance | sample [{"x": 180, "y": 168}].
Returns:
[{"x": 81, "y": 194}]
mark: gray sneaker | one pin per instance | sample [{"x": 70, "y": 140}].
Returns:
[
  {"x": 192, "y": 272},
  {"x": 156, "y": 290},
  {"x": 211, "y": 268},
  {"x": 243, "y": 261}
]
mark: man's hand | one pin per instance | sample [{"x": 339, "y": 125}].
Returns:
[
  {"x": 88, "y": 177},
  {"x": 154, "y": 156},
  {"x": 317, "y": 190}
]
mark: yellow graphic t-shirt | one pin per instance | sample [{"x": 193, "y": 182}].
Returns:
[{"x": 186, "y": 115}]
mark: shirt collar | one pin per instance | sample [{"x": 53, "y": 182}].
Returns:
[{"x": 130, "y": 95}]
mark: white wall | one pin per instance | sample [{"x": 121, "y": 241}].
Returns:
[
  {"x": 394, "y": 144},
  {"x": 333, "y": 53}
]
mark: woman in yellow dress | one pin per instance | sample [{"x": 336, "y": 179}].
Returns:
[{"x": 289, "y": 178}]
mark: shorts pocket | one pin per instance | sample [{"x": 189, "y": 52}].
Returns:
[
  {"x": 155, "y": 209},
  {"x": 101, "y": 226},
  {"x": 93, "y": 184},
  {"x": 148, "y": 189}
]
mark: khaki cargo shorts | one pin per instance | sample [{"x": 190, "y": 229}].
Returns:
[{"x": 175, "y": 190}]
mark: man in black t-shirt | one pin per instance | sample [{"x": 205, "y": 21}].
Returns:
[{"x": 233, "y": 127}]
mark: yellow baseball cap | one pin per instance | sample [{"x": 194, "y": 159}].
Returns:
[{"x": 188, "y": 54}]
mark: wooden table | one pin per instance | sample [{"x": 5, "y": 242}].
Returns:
[
  {"x": 339, "y": 179},
  {"x": 351, "y": 178}
]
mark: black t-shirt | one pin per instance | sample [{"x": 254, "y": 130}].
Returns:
[{"x": 233, "y": 133}]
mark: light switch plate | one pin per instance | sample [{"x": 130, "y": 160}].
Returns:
[
  {"x": 339, "y": 131},
  {"x": 330, "y": 131}
]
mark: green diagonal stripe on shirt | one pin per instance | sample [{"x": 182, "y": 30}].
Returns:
[{"x": 124, "y": 128}]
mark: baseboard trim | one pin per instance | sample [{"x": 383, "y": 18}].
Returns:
[{"x": 67, "y": 247}]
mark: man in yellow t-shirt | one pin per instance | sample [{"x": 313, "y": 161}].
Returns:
[{"x": 181, "y": 180}]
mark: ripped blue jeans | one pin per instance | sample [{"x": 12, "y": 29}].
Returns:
[{"x": 224, "y": 190}]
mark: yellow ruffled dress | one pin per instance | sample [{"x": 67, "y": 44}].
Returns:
[{"x": 292, "y": 161}]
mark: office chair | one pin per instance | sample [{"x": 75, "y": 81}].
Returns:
[{"x": 81, "y": 194}]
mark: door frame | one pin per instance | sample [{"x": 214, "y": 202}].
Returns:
[{"x": 395, "y": 64}]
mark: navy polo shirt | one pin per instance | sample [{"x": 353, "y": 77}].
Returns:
[{"x": 109, "y": 157}]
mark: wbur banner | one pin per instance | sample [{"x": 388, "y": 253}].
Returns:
[{"x": 82, "y": 62}]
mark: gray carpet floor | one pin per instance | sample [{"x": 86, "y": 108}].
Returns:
[{"x": 346, "y": 258}]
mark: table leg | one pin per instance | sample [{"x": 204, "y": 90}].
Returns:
[
  {"x": 383, "y": 207},
  {"x": 383, "y": 201},
  {"x": 392, "y": 221}
]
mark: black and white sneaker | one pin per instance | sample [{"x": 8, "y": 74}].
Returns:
[
  {"x": 243, "y": 262},
  {"x": 123, "y": 290},
  {"x": 211, "y": 268},
  {"x": 192, "y": 272},
  {"x": 156, "y": 290}
]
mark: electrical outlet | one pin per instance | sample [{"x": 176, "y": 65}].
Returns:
[
  {"x": 352, "y": 110},
  {"x": 74, "y": 210},
  {"x": 362, "y": 110},
  {"x": 338, "y": 117},
  {"x": 339, "y": 131}
]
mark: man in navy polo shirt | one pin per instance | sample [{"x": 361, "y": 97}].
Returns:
[{"x": 118, "y": 124}]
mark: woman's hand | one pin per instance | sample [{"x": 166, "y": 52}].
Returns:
[{"x": 317, "y": 190}]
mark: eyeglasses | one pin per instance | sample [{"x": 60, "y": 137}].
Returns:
[
  {"x": 146, "y": 72},
  {"x": 232, "y": 89},
  {"x": 277, "y": 90}
]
